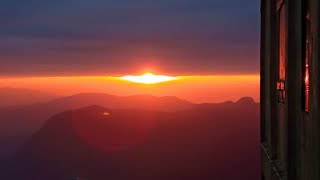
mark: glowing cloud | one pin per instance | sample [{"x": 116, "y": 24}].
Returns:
[{"x": 148, "y": 78}]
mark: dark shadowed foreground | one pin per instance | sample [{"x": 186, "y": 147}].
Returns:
[
  {"x": 207, "y": 141},
  {"x": 18, "y": 123}
]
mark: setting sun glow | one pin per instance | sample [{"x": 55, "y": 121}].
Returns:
[{"x": 148, "y": 78}]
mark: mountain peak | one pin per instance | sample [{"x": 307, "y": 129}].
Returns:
[{"x": 246, "y": 100}]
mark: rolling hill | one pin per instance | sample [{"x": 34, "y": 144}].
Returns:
[{"x": 19, "y": 122}]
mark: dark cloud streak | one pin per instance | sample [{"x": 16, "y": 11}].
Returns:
[{"x": 80, "y": 37}]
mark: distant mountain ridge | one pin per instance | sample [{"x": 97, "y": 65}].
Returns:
[
  {"x": 16, "y": 96},
  {"x": 165, "y": 103},
  {"x": 207, "y": 142},
  {"x": 246, "y": 100},
  {"x": 17, "y": 123}
]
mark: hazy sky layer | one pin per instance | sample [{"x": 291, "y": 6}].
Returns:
[{"x": 117, "y": 37}]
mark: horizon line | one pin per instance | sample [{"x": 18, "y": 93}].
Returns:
[{"x": 117, "y": 76}]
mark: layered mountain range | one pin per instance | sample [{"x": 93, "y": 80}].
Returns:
[{"x": 100, "y": 136}]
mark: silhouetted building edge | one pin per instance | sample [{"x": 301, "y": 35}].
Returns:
[{"x": 290, "y": 89}]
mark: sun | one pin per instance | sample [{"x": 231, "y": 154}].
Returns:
[{"x": 148, "y": 78}]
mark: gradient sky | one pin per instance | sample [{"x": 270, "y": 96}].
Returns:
[
  {"x": 197, "y": 89},
  {"x": 118, "y": 37}
]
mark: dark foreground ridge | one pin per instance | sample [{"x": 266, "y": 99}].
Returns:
[{"x": 206, "y": 142}]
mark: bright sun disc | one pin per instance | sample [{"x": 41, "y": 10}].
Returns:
[{"x": 148, "y": 78}]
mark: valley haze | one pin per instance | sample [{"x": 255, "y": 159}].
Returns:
[{"x": 123, "y": 137}]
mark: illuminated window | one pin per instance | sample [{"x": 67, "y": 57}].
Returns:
[
  {"x": 281, "y": 9},
  {"x": 308, "y": 53}
]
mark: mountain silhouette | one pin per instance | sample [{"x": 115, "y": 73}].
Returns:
[
  {"x": 16, "y": 96},
  {"x": 208, "y": 141},
  {"x": 147, "y": 102},
  {"x": 18, "y": 122},
  {"x": 245, "y": 100}
]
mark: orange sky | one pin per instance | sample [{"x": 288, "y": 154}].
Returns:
[{"x": 197, "y": 89}]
